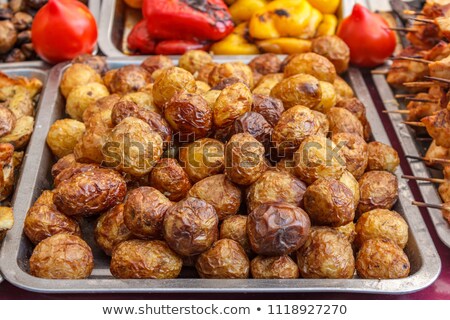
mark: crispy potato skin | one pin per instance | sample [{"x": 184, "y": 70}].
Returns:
[
  {"x": 129, "y": 78},
  {"x": 63, "y": 136},
  {"x": 77, "y": 74},
  {"x": 326, "y": 254},
  {"x": 350, "y": 182},
  {"x": 153, "y": 63},
  {"x": 282, "y": 267},
  {"x": 244, "y": 159},
  {"x": 348, "y": 231},
  {"x": 73, "y": 170},
  {"x": 62, "y": 256},
  {"x": 355, "y": 151},
  {"x": 300, "y": 89},
  {"x": 228, "y": 70},
  {"x": 382, "y": 259},
  {"x": 224, "y": 260},
  {"x": 264, "y": 64},
  {"x": 254, "y": 124},
  {"x": 98, "y": 63},
  {"x": 170, "y": 82},
  {"x": 194, "y": 60},
  {"x": 219, "y": 192},
  {"x": 204, "y": 72},
  {"x": 82, "y": 96},
  {"x": 233, "y": 101},
  {"x": 286, "y": 165},
  {"x": 6, "y": 170},
  {"x": 313, "y": 64},
  {"x": 144, "y": 212},
  {"x": 342, "y": 120},
  {"x": 43, "y": 220},
  {"x": 329, "y": 203},
  {"x": 381, "y": 223},
  {"x": 275, "y": 186},
  {"x": 382, "y": 157},
  {"x": 235, "y": 228},
  {"x": 334, "y": 49},
  {"x": 140, "y": 259},
  {"x": 7, "y": 121},
  {"x": 191, "y": 226},
  {"x": 89, "y": 193},
  {"x": 379, "y": 190},
  {"x": 265, "y": 85},
  {"x": 277, "y": 228},
  {"x": 270, "y": 108},
  {"x": 62, "y": 164},
  {"x": 356, "y": 108},
  {"x": 170, "y": 179},
  {"x": 111, "y": 230}
]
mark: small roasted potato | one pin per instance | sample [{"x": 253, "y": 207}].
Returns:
[
  {"x": 381, "y": 223},
  {"x": 6, "y": 170},
  {"x": 7, "y": 121},
  {"x": 327, "y": 254},
  {"x": 328, "y": 99},
  {"x": 6, "y": 221},
  {"x": 270, "y": 108},
  {"x": 232, "y": 102},
  {"x": 153, "y": 63},
  {"x": 379, "y": 190},
  {"x": 382, "y": 259},
  {"x": 264, "y": 64},
  {"x": 329, "y": 202},
  {"x": 350, "y": 182},
  {"x": 359, "y": 111},
  {"x": 144, "y": 212},
  {"x": 63, "y": 136},
  {"x": 43, "y": 220},
  {"x": 226, "y": 83},
  {"x": 140, "y": 259},
  {"x": 342, "y": 120},
  {"x": 21, "y": 133},
  {"x": 300, "y": 89},
  {"x": 294, "y": 126},
  {"x": 82, "y": 96},
  {"x": 324, "y": 124},
  {"x": 19, "y": 102},
  {"x": 282, "y": 267},
  {"x": 343, "y": 90},
  {"x": 144, "y": 99},
  {"x": 89, "y": 147},
  {"x": 78, "y": 74},
  {"x": 194, "y": 60},
  {"x": 231, "y": 70},
  {"x": 235, "y": 228},
  {"x": 277, "y": 228},
  {"x": 318, "y": 157},
  {"x": 211, "y": 97},
  {"x": 244, "y": 159},
  {"x": 189, "y": 116},
  {"x": 219, "y": 192},
  {"x": 275, "y": 186},
  {"x": 254, "y": 124},
  {"x": 170, "y": 179},
  {"x": 313, "y": 64},
  {"x": 107, "y": 78},
  {"x": 170, "y": 82},
  {"x": 265, "y": 85},
  {"x": 334, "y": 49},
  {"x": 348, "y": 231},
  {"x": 202, "y": 158},
  {"x": 89, "y": 193},
  {"x": 129, "y": 78},
  {"x": 226, "y": 259},
  {"x": 203, "y": 73},
  {"x": 99, "y": 113},
  {"x": 286, "y": 165},
  {"x": 382, "y": 157},
  {"x": 98, "y": 63},
  {"x": 355, "y": 151},
  {"x": 132, "y": 147},
  {"x": 62, "y": 256},
  {"x": 191, "y": 226},
  {"x": 62, "y": 164},
  {"x": 202, "y": 87}
]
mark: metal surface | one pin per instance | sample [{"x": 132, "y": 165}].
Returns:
[{"x": 425, "y": 262}]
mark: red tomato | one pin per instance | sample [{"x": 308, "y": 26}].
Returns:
[
  {"x": 62, "y": 30},
  {"x": 368, "y": 37}
]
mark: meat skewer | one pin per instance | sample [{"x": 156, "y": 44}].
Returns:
[
  {"x": 445, "y": 208},
  {"x": 433, "y": 180}
]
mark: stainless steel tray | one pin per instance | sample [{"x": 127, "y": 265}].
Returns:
[
  {"x": 425, "y": 262},
  {"x": 28, "y": 72}
]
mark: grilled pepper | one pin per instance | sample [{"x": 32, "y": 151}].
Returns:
[
  {"x": 172, "y": 47},
  {"x": 284, "y": 45},
  {"x": 139, "y": 39},
  {"x": 187, "y": 19},
  {"x": 328, "y": 25},
  {"x": 325, "y": 6},
  {"x": 236, "y": 43},
  {"x": 242, "y": 10}
]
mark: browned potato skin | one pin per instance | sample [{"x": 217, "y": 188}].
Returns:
[
  {"x": 282, "y": 267},
  {"x": 170, "y": 179},
  {"x": 300, "y": 89},
  {"x": 286, "y": 165},
  {"x": 144, "y": 212},
  {"x": 235, "y": 228},
  {"x": 324, "y": 124},
  {"x": 99, "y": 113},
  {"x": 224, "y": 260},
  {"x": 172, "y": 81},
  {"x": 78, "y": 74},
  {"x": 382, "y": 259},
  {"x": 153, "y": 63},
  {"x": 343, "y": 90},
  {"x": 342, "y": 120},
  {"x": 219, "y": 192},
  {"x": 107, "y": 78},
  {"x": 62, "y": 256},
  {"x": 191, "y": 226},
  {"x": 203, "y": 73},
  {"x": 355, "y": 151},
  {"x": 225, "y": 83},
  {"x": 228, "y": 70},
  {"x": 63, "y": 136},
  {"x": 7, "y": 121},
  {"x": 194, "y": 60},
  {"x": 382, "y": 157},
  {"x": 334, "y": 49},
  {"x": 202, "y": 158},
  {"x": 140, "y": 259},
  {"x": 350, "y": 182},
  {"x": 313, "y": 64},
  {"x": 90, "y": 192},
  {"x": 358, "y": 110},
  {"x": 327, "y": 254},
  {"x": 379, "y": 190},
  {"x": 43, "y": 220},
  {"x": 381, "y": 223},
  {"x": 242, "y": 148},
  {"x": 269, "y": 107},
  {"x": 98, "y": 63},
  {"x": 233, "y": 101},
  {"x": 254, "y": 124},
  {"x": 264, "y": 64},
  {"x": 189, "y": 116},
  {"x": 62, "y": 164},
  {"x": 89, "y": 148},
  {"x": 329, "y": 203},
  {"x": 278, "y": 228},
  {"x": 73, "y": 170},
  {"x": 348, "y": 231},
  {"x": 275, "y": 186},
  {"x": 265, "y": 85},
  {"x": 129, "y": 78}
]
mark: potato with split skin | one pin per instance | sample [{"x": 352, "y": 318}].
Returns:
[
  {"x": 7, "y": 121},
  {"x": 170, "y": 179},
  {"x": 282, "y": 267},
  {"x": 77, "y": 75},
  {"x": 128, "y": 79},
  {"x": 202, "y": 87},
  {"x": 343, "y": 121},
  {"x": 211, "y": 97},
  {"x": 265, "y": 85},
  {"x": 355, "y": 151},
  {"x": 232, "y": 102},
  {"x": 312, "y": 64},
  {"x": 82, "y": 96},
  {"x": 270, "y": 108},
  {"x": 231, "y": 69},
  {"x": 300, "y": 89},
  {"x": 63, "y": 136},
  {"x": 194, "y": 60},
  {"x": 20, "y": 134},
  {"x": 170, "y": 82},
  {"x": 382, "y": 157},
  {"x": 235, "y": 228},
  {"x": 153, "y": 63}
]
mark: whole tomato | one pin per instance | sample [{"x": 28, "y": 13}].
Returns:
[
  {"x": 62, "y": 30},
  {"x": 368, "y": 37}
]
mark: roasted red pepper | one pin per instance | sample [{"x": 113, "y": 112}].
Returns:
[
  {"x": 168, "y": 47},
  {"x": 139, "y": 39},
  {"x": 187, "y": 19}
]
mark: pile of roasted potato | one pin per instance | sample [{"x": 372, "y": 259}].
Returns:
[{"x": 239, "y": 170}]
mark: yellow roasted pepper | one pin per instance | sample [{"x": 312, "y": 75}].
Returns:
[
  {"x": 328, "y": 25},
  {"x": 325, "y": 6},
  {"x": 285, "y": 18},
  {"x": 284, "y": 45},
  {"x": 242, "y": 10},
  {"x": 235, "y": 43}
]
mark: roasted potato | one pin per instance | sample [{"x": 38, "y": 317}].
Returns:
[
  {"x": 254, "y": 124},
  {"x": 355, "y": 151},
  {"x": 62, "y": 164},
  {"x": 82, "y": 96},
  {"x": 382, "y": 157},
  {"x": 144, "y": 99},
  {"x": 278, "y": 228},
  {"x": 194, "y": 60},
  {"x": 343, "y": 90},
  {"x": 232, "y": 102},
  {"x": 312, "y": 64},
  {"x": 348, "y": 231},
  {"x": 324, "y": 124},
  {"x": 62, "y": 256},
  {"x": 98, "y": 114},
  {"x": 128, "y": 79},
  {"x": 172, "y": 81},
  {"x": 72, "y": 170},
  {"x": 343, "y": 121},
  {"x": 89, "y": 147},
  {"x": 202, "y": 87},
  {"x": 6, "y": 221},
  {"x": 153, "y": 63},
  {"x": 7, "y": 121},
  {"x": 328, "y": 99},
  {"x": 326, "y": 254},
  {"x": 77, "y": 75},
  {"x": 282, "y": 267},
  {"x": 107, "y": 78},
  {"x": 211, "y": 97},
  {"x": 350, "y": 182},
  {"x": 64, "y": 135},
  {"x": 231, "y": 70},
  {"x": 170, "y": 179},
  {"x": 235, "y": 228},
  {"x": 334, "y": 49},
  {"x": 224, "y": 260},
  {"x": 265, "y": 85},
  {"x": 203, "y": 73},
  {"x": 264, "y": 64},
  {"x": 19, "y": 101},
  {"x": 6, "y": 170},
  {"x": 191, "y": 226},
  {"x": 270, "y": 108},
  {"x": 21, "y": 133},
  {"x": 359, "y": 111},
  {"x": 140, "y": 259},
  {"x": 382, "y": 259},
  {"x": 98, "y": 63},
  {"x": 286, "y": 165}
]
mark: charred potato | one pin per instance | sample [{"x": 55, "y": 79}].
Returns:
[
  {"x": 98, "y": 63},
  {"x": 254, "y": 124},
  {"x": 7, "y": 121},
  {"x": 382, "y": 157},
  {"x": 265, "y": 85},
  {"x": 153, "y": 63},
  {"x": 21, "y": 133},
  {"x": 194, "y": 60},
  {"x": 334, "y": 49},
  {"x": 312, "y": 64},
  {"x": 170, "y": 179},
  {"x": 170, "y": 82},
  {"x": 231, "y": 70},
  {"x": 232, "y": 102},
  {"x": 63, "y": 136},
  {"x": 282, "y": 267},
  {"x": 270, "y": 108},
  {"x": 82, "y": 96},
  {"x": 129, "y": 78},
  {"x": 77, "y": 75},
  {"x": 343, "y": 121},
  {"x": 359, "y": 111},
  {"x": 355, "y": 151},
  {"x": 235, "y": 228}
]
